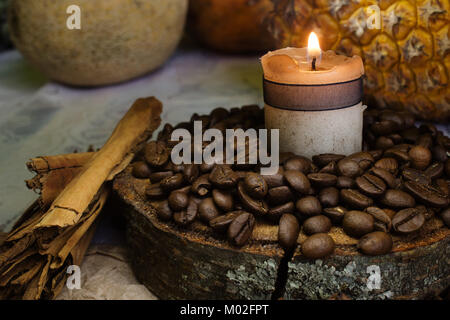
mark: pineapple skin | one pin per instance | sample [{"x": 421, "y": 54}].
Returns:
[{"x": 407, "y": 60}]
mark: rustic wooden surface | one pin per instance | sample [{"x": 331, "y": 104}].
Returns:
[{"x": 194, "y": 263}]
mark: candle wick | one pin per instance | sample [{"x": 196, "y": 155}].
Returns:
[{"x": 314, "y": 63}]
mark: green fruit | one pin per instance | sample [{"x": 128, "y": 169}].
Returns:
[{"x": 118, "y": 39}]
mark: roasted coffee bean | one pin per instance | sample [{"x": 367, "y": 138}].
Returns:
[
  {"x": 298, "y": 163},
  {"x": 297, "y": 180},
  {"x": 171, "y": 183},
  {"x": 428, "y": 213},
  {"x": 141, "y": 170},
  {"x": 275, "y": 213},
  {"x": 185, "y": 189},
  {"x": 445, "y": 216},
  {"x": 436, "y": 170},
  {"x": 335, "y": 214},
  {"x": 410, "y": 174},
  {"x": 397, "y": 199},
  {"x": 223, "y": 177},
  {"x": 163, "y": 210},
  {"x": 288, "y": 231},
  {"x": 447, "y": 167},
  {"x": 427, "y": 194},
  {"x": 207, "y": 210},
  {"x": 420, "y": 157},
  {"x": 322, "y": 160},
  {"x": 165, "y": 133},
  {"x": 384, "y": 143},
  {"x": 375, "y": 243},
  {"x": 256, "y": 206},
  {"x": 280, "y": 195},
  {"x": 364, "y": 159},
  {"x": 190, "y": 172},
  {"x": 206, "y": 167},
  {"x": 392, "y": 116},
  {"x": 382, "y": 221},
  {"x": 389, "y": 164},
  {"x": 240, "y": 230},
  {"x": 425, "y": 140},
  {"x": 154, "y": 192},
  {"x": 178, "y": 201},
  {"x": 345, "y": 183},
  {"x": 371, "y": 185},
  {"x": 439, "y": 153},
  {"x": 408, "y": 220},
  {"x": 275, "y": 180},
  {"x": 322, "y": 180},
  {"x": 156, "y": 177},
  {"x": 156, "y": 154},
  {"x": 255, "y": 185},
  {"x": 217, "y": 115},
  {"x": 399, "y": 153},
  {"x": 316, "y": 224},
  {"x": 329, "y": 168},
  {"x": 385, "y": 175},
  {"x": 329, "y": 197},
  {"x": 221, "y": 223},
  {"x": 355, "y": 199},
  {"x": 318, "y": 246},
  {"x": 443, "y": 186},
  {"x": 385, "y": 127},
  {"x": 357, "y": 223},
  {"x": 285, "y": 156},
  {"x": 223, "y": 200},
  {"x": 396, "y": 138},
  {"x": 186, "y": 216},
  {"x": 201, "y": 186},
  {"x": 309, "y": 206},
  {"x": 348, "y": 168},
  {"x": 376, "y": 154},
  {"x": 410, "y": 135},
  {"x": 176, "y": 168}
]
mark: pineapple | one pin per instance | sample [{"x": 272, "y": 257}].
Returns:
[{"x": 406, "y": 55}]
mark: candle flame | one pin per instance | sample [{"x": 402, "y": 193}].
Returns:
[{"x": 313, "y": 43}]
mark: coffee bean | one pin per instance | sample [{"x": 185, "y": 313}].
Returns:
[
  {"x": 382, "y": 221},
  {"x": 384, "y": 143},
  {"x": 201, "y": 186},
  {"x": 206, "y": 167},
  {"x": 322, "y": 180},
  {"x": 427, "y": 194},
  {"x": 285, "y": 156},
  {"x": 420, "y": 157},
  {"x": 436, "y": 170},
  {"x": 335, "y": 214},
  {"x": 298, "y": 163},
  {"x": 447, "y": 167},
  {"x": 141, "y": 170},
  {"x": 389, "y": 164},
  {"x": 375, "y": 243},
  {"x": 410, "y": 174},
  {"x": 397, "y": 199},
  {"x": 309, "y": 206},
  {"x": 322, "y": 160},
  {"x": 408, "y": 220},
  {"x": 297, "y": 180},
  {"x": 240, "y": 230},
  {"x": 255, "y": 185},
  {"x": 355, "y": 199},
  {"x": 385, "y": 175},
  {"x": 156, "y": 153},
  {"x": 357, "y": 223},
  {"x": 207, "y": 210},
  {"x": 318, "y": 246},
  {"x": 223, "y": 177},
  {"x": 392, "y": 116},
  {"x": 178, "y": 201},
  {"x": 349, "y": 168},
  {"x": 171, "y": 183},
  {"x": 156, "y": 177},
  {"x": 443, "y": 186},
  {"x": 439, "y": 153},
  {"x": 399, "y": 153},
  {"x": 154, "y": 192},
  {"x": 343, "y": 182},
  {"x": 275, "y": 213},
  {"x": 163, "y": 210},
  {"x": 288, "y": 231},
  {"x": 223, "y": 200},
  {"x": 425, "y": 140},
  {"x": 364, "y": 159},
  {"x": 329, "y": 197},
  {"x": 316, "y": 224},
  {"x": 371, "y": 185},
  {"x": 275, "y": 180},
  {"x": 256, "y": 206},
  {"x": 217, "y": 115},
  {"x": 190, "y": 172},
  {"x": 221, "y": 223},
  {"x": 187, "y": 216},
  {"x": 280, "y": 195},
  {"x": 445, "y": 216},
  {"x": 329, "y": 168},
  {"x": 376, "y": 154},
  {"x": 384, "y": 127}
]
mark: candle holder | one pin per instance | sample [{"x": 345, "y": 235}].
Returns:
[{"x": 316, "y": 111}]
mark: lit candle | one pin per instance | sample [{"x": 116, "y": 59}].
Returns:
[{"x": 314, "y": 99}]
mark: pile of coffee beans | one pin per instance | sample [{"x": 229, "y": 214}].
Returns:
[{"x": 399, "y": 180}]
